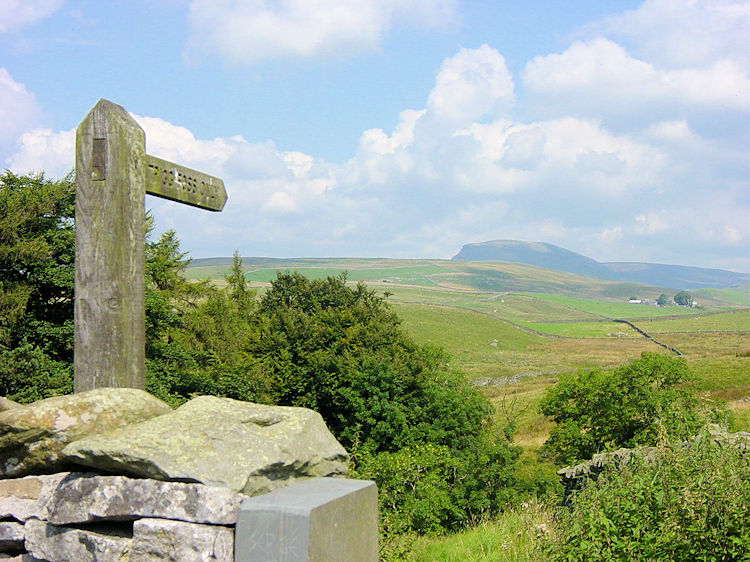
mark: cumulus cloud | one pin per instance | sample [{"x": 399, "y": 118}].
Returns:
[
  {"x": 19, "y": 111},
  {"x": 679, "y": 34},
  {"x": 44, "y": 150},
  {"x": 15, "y": 14},
  {"x": 599, "y": 77},
  {"x": 470, "y": 85},
  {"x": 245, "y": 32}
]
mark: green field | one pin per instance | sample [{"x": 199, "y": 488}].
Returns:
[
  {"x": 513, "y": 328},
  {"x": 616, "y": 309},
  {"x": 732, "y": 321},
  {"x": 584, "y": 329},
  {"x": 469, "y": 277}
]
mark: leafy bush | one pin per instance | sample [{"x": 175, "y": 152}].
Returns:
[
  {"x": 683, "y": 503},
  {"x": 603, "y": 410},
  {"x": 431, "y": 489}
]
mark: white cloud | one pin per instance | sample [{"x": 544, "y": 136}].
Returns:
[
  {"x": 45, "y": 150},
  {"x": 15, "y": 14},
  {"x": 612, "y": 159},
  {"x": 19, "y": 111},
  {"x": 178, "y": 144},
  {"x": 600, "y": 77},
  {"x": 249, "y": 31},
  {"x": 684, "y": 34},
  {"x": 470, "y": 85},
  {"x": 652, "y": 222}
]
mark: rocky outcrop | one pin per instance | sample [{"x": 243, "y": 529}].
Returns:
[
  {"x": 246, "y": 447},
  {"x": 32, "y": 436}
]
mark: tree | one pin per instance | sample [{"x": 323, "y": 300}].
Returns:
[
  {"x": 412, "y": 423},
  {"x": 36, "y": 286},
  {"x": 340, "y": 351},
  {"x": 237, "y": 284},
  {"x": 599, "y": 410},
  {"x": 683, "y": 298},
  {"x": 663, "y": 300}
]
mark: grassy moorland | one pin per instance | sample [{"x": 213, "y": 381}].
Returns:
[{"x": 513, "y": 329}]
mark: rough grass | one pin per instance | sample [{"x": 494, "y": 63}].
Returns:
[
  {"x": 514, "y": 536},
  {"x": 585, "y": 329},
  {"x": 738, "y": 320},
  {"x": 471, "y": 311}
]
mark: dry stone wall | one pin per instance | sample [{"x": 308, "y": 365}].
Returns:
[
  {"x": 86, "y": 517},
  {"x": 144, "y": 482}
]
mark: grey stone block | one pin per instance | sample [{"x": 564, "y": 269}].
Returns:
[
  {"x": 11, "y": 535},
  {"x": 316, "y": 520},
  {"x": 162, "y": 539},
  {"x": 90, "y": 498},
  {"x": 67, "y": 544}
]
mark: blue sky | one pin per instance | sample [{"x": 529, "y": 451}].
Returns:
[{"x": 375, "y": 128}]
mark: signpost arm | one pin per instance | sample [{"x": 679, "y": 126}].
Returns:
[{"x": 109, "y": 278}]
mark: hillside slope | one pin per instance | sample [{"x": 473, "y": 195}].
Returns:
[{"x": 553, "y": 257}]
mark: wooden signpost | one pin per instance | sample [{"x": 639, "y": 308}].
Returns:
[{"x": 113, "y": 175}]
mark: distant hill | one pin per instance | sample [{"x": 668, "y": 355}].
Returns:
[{"x": 553, "y": 257}]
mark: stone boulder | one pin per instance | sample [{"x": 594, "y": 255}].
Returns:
[
  {"x": 6, "y": 404},
  {"x": 249, "y": 448},
  {"x": 162, "y": 539},
  {"x": 32, "y": 436}
]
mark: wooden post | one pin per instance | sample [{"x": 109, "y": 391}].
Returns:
[
  {"x": 113, "y": 174},
  {"x": 110, "y": 230}
]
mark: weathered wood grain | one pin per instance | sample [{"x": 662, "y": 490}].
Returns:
[{"x": 109, "y": 277}]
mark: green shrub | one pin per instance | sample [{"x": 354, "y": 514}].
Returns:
[
  {"x": 430, "y": 489},
  {"x": 683, "y": 503},
  {"x": 599, "y": 411}
]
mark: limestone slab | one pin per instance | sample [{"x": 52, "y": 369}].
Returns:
[
  {"x": 32, "y": 436},
  {"x": 249, "y": 448},
  {"x": 161, "y": 539},
  {"x": 11, "y": 535},
  {"x": 66, "y": 544},
  {"x": 93, "y": 498},
  {"x": 23, "y": 498}
]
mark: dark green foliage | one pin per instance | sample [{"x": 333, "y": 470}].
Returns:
[
  {"x": 198, "y": 338},
  {"x": 340, "y": 351},
  {"x": 663, "y": 300},
  {"x": 432, "y": 489},
  {"x": 683, "y": 298},
  {"x": 683, "y": 503},
  {"x": 599, "y": 410},
  {"x": 36, "y": 286}
]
